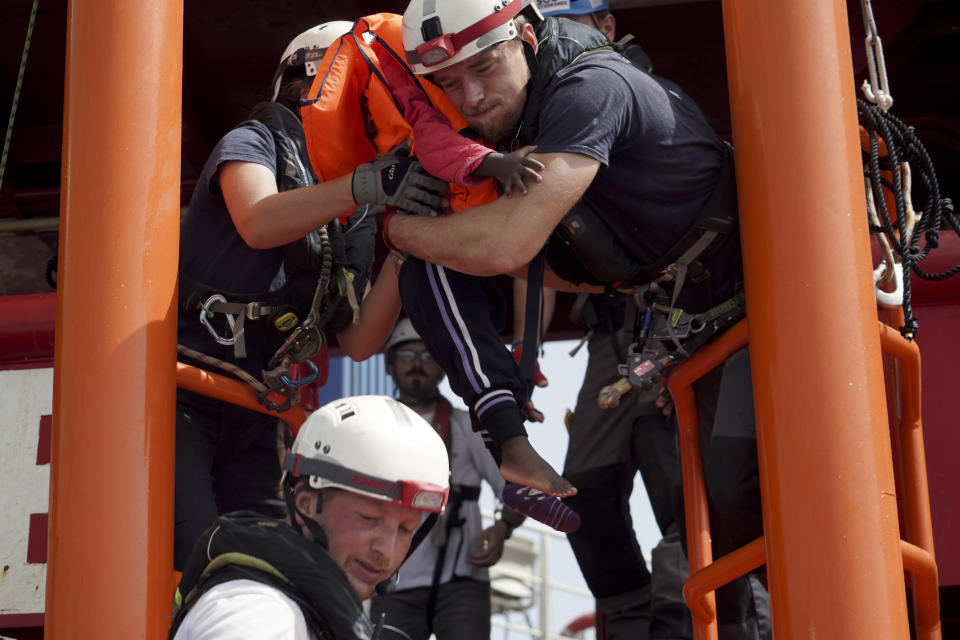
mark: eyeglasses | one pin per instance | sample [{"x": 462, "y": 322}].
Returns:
[
  {"x": 407, "y": 356},
  {"x": 439, "y": 47}
]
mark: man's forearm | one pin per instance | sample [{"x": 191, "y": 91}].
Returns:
[
  {"x": 455, "y": 241},
  {"x": 277, "y": 219},
  {"x": 512, "y": 518},
  {"x": 504, "y": 235}
]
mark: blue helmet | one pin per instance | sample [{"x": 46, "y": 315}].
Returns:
[{"x": 570, "y": 7}]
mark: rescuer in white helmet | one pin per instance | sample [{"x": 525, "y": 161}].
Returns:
[
  {"x": 364, "y": 482},
  {"x": 259, "y": 240},
  {"x": 636, "y": 190}
]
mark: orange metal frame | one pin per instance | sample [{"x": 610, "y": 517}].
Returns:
[
  {"x": 234, "y": 392},
  {"x": 707, "y": 574},
  {"x": 833, "y": 552},
  {"x": 832, "y": 547}
]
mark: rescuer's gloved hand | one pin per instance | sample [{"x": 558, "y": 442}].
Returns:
[{"x": 398, "y": 180}]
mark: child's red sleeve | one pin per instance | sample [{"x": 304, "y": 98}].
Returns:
[{"x": 442, "y": 151}]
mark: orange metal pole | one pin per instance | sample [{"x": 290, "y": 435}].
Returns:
[
  {"x": 111, "y": 504},
  {"x": 830, "y": 515}
]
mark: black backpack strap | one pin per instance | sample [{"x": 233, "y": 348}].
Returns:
[{"x": 531, "y": 322}]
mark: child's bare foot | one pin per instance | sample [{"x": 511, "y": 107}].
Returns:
[{"x": 520, "y": 463}]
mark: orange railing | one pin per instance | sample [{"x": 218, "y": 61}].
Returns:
[
  {"x": 917, "y": 549},
  {"x": 234, "y": 392},
  {"x": 706, "y": 574},
  {"x": 699, "y": 589}
]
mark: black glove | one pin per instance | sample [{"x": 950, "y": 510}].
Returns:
[{"x": 398, "y": 180}]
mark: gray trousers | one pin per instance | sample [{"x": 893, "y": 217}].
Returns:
[
  {"x": 607, "y": 447},
  {"x": 462, "y": 611}
]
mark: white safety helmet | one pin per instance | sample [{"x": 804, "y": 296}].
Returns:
[
  {"x": 374, "y": 446},
  {"x": 307, "y": 49},
  {"x": 402, "y": 332},
  {"x": 439, "y": 33}
]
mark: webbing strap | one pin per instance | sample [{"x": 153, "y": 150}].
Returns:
[
  {"x": 465, "y": 492},
  {"x": 531, "y": 326},
  {"x": 441, "y": 420},
  {"x": 715, "y": 221}
]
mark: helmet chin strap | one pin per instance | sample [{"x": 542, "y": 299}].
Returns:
[
  {"x": 390, "y": 584},
  {"x": 531, "y": 57},
  {"x": 316, "y": 531}
]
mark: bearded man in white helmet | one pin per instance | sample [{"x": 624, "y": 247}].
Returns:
[
  {"x": 259, "y": 222},
  {"x": 364, "y": 481},
  {"x": 637, "y": 193},
  {"x": 444, "y": 587}
]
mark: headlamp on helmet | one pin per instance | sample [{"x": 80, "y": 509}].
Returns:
[
  {"x": 439, "y": 33},
  {"x": 376, "y": 446}
]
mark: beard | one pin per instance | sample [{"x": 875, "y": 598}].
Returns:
[
  {"x": 418, "y": 389},
  {"x": 500, "y": 130}
]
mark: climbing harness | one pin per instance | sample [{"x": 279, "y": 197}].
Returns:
[
  {"x": 16, "y": 90},
  {"x": 325, "y": 272},
  {"x": 649, "y": 358},
  {"x": 583, "y": 247},
  {"x": 647, "y": 366}
]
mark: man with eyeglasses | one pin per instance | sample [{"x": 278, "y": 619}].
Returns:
[{"x": 444, "y": 586}]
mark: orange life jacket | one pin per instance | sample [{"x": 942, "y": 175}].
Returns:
[{"x": 352, "y": 116}]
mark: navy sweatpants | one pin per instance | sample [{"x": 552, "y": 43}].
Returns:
[{"x": 459, "y": 318}]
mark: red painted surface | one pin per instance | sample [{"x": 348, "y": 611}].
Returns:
[
  {"x": 940, "y": 353},
  {"x": 43, "y": 439},
  {"x": 21, "y": 621},
  {"x": 37, "y": 540},
  {"x": 26, "y": 332}
]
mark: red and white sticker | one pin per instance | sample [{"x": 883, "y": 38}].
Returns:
[
  {"x": 25, "y": 435},
  {"x": 643, "y": 368}
]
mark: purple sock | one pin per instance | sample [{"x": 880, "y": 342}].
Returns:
[{"x": 535, "y": 503}]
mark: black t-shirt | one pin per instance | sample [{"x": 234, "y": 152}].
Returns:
[
  {"x": 212, "y": 251},
  {"x": 660, "y": 160}
]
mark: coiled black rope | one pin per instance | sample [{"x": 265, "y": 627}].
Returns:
[{"x": 902, "y": 146}]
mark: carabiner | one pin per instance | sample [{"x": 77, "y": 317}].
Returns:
[
  {"x": 302, "y": 382},
  {"x": 205, "y": 321}
]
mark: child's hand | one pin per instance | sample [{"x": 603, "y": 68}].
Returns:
[{"x": 513, "y": 169}]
